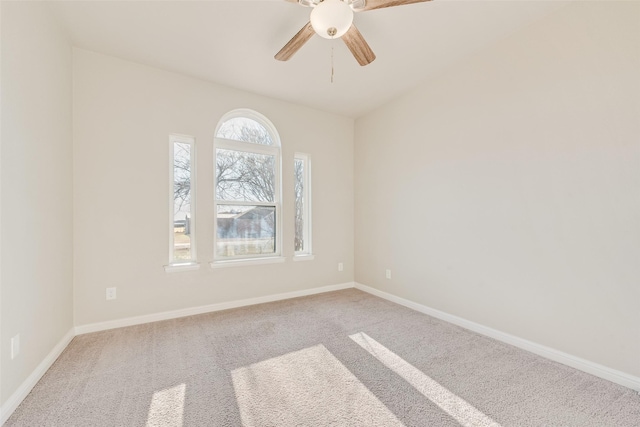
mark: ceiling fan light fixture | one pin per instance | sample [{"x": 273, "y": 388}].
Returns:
[
  {"x": 357, "y": 5},
  {"x": 309, "y": 3},
  {"x": 331, "y": 18}
]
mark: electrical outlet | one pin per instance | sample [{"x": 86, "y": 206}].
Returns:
[
  {"x": 111, "y": 293},
  {"x": 15, "y": 346},
  {"x": 340, "y": 266},
  {"x": 388, "y": 274}
]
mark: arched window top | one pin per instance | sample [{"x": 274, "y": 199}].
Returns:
[{"x": 247, "y": 126}]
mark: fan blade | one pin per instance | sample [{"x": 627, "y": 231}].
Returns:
[
  {"x": 358, "y": 46},
  {"x": 379, "y": 4},
  {"x": 295, "y": 43}
]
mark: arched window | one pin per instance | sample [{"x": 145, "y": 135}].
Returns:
[{"x": 247, "y": 187}]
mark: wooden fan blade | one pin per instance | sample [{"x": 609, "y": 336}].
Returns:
[
  {"x": 295, "y": 43},
  {"x": 379, "y": 4},
  {"x": 358, "y": 46}
]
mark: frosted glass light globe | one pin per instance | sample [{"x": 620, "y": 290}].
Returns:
[{"x": 331, "y": 18}]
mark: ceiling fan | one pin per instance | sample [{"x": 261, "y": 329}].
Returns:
[{"x": 333, "y": 19}]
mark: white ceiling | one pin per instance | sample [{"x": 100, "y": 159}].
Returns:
[{"x": 233, "y": 43}]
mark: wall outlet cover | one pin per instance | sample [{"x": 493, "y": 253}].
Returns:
[
  {"x": 111, "y": 293},
  {"x": 15, "y": 346}
]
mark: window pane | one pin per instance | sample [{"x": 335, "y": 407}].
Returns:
[
  {"x": 246, "y": 130},
  {"x": 245, "y": 177},
  {"x": 299, "y": 204},
  {"x": 245, "y": 230},
  {"x": 181, "y": 201}
]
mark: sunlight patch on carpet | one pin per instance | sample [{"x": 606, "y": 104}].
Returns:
[
  {"x": 309, "y": 387},
  {"x": 167, "y": 407},
  {"x": 462, "y": 411}
]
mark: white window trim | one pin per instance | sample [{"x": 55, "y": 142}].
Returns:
[
  {"x": 178, "y": 267},
  {"x": 275, "y": 150},
  {"x": 307, "y": 253},
  {"x": 174, "y": 264},
  {"x": 242, "y": 262}
]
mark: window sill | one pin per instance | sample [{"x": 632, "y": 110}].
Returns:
[
  {"x": 304, "y": 257},
  {"x": 186, "y": 266},
  {"x": 247, "y": 261}
]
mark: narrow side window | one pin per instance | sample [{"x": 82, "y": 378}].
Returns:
[
  {"x": 302, "y": 186},
  {"x": 182, "y": 249}
]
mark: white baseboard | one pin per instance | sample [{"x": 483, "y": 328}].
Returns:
[
  {"x": 174, "y": 314},
  {"x": 584, "y": 365},
  {"x": 18, "y": 396}
]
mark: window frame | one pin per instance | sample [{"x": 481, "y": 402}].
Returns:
[
  {"x": 274, "y": 150},
  {"x": 192, "y": 263},
  {"x": 307, "y": 251}
]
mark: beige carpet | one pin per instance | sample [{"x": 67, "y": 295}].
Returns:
[{"x": 338, "y": 359}]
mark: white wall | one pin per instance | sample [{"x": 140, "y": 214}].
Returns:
[
  {"x": 505, "y": 191},
  {"x": 123, "y": 115},
  {"x": 36, "y": 228}
]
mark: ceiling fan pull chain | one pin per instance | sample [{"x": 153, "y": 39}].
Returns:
[{"x": 332, "y": 63}]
